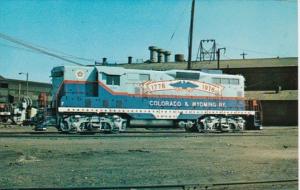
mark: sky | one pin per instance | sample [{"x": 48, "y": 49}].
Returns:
[{"x": 116, "y": 29}]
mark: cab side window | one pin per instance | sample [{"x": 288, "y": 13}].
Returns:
[
  {"x": 226, "y": 81},
  {"x": 144, "y": 77},
  {"x": 234, "y": 81},
  {"x": 217, "y": 80},
  {"x": 113, "y": 80}
]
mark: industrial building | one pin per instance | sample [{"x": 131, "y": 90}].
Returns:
[
  {"x": 12, "y": 90},
  {"x": 273, "y": 81}
]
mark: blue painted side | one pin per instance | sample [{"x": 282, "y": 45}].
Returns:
[{"x": 81, "y": 95}]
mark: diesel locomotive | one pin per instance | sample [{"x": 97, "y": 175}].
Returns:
[{"x": 110, "y": 98}]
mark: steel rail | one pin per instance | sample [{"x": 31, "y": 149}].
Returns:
[
  {"x": 178, "y": 186},
  {"x": 160, "y": 134}
]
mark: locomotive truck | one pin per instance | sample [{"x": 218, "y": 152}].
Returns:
[{"x": 108, "y": 98}]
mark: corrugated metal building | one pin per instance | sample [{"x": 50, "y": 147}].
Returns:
[{"x": 12, "y": 90}]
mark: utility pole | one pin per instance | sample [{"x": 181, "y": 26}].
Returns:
[
  {"x": 19, "y": 92},
  {"x": 218, "y": 55},
  {"x": 26, "y": 81},
  {"x": 243, "y": 54},
  {"x": 27, "y": 84},
  {"x": 191, "y": 36}
]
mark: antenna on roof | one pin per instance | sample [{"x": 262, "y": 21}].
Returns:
[{"x": 243, "y": 54}]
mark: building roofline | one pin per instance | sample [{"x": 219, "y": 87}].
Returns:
[
  {"x": 17, "y": 80},
  {"x": 224, "y": 63}
]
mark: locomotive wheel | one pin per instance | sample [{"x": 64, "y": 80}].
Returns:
[
  {"x": 200, "y": 128},
  {"x": 65, "y": 127},
  {"x": 192, "y": 129},
  {"x": 233, "y": 128},
  {"x": 189, "y": 130},
  {"x": 190, "y": 126},
  {"x": 87, "y": 126},
  {"x": 124, "y": 126},
  {"x": 217, "y": 128},
  {"x": 107, "y": 127}
]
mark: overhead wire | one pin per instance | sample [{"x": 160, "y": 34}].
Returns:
[
  {"x": 16, "y": 47},
  {"x": 32, "y": 51},
  {"x": 247, "y": 50},
  {"x": 63, "y": 54},
  {"x": 179, "y": 23},
  {"x": 227, "y": 56},
  {"x": 38, "y": 49}
]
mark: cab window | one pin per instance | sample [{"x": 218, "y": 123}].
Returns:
[{"x": 113, "y": 80}]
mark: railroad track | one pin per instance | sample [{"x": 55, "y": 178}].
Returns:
[
  {"x": 266, "y": 184},
  {"x": 29, "y": 134}
]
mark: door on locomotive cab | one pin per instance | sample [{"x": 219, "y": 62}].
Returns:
[{"x": 92, "y": 85}]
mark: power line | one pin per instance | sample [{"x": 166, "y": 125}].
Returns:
[
  {"x": 32, "y": 51},
  {"x": 18, "y": 48},
  {"x": 16, "y": 41},
  {"x": 80, "y": 58},
  {"x": 247, "y": 50},
  {"x": 63, "y": 54},
  {"x": 178, "y": 23},
  {"x": 227, "y": 56}
]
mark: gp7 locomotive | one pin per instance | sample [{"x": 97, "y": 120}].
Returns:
[{"x": 107, "y": 98}]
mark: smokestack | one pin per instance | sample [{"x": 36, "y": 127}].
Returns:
[
  {"x": 153, "y": 53},
  {"x": 167, "y": 56},
  {"x": 104, "y": 60},
  {"x": 159, "y": 55},
  {"x": 129, "y": 60},
  {"x": 179, "y": 58}
]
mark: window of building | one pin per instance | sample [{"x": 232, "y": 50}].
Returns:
[
  {"x": 144, "y": 77},
  {"x": 113, "y": 80},
  {"x": 187, "y": 76},
  {"x": 3, "y": 85}
]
